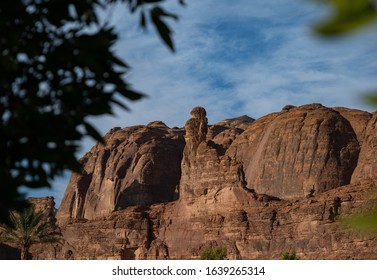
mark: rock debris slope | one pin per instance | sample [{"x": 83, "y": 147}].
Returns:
[{"x": 257, "y": 187}]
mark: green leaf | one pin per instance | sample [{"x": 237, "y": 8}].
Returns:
[
  {"x": 119, "y": 62},
  {"x": 28, "y": 227},
  {"x": 93, "y": 132},
  {"x": 143, "y": 22},
  {"x": 131, "y": 94},
  {"x": 163, "y": 30},
  {"x": 120, "y": 104},
  {"x": 348, "y": 16},
  {"x": 70, "y": 52},
  {"x": 371, "y": 98}
]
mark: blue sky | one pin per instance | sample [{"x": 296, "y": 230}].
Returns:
[{"x": 234, "y": 58}]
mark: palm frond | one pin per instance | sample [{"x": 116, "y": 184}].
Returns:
[{"x": 27, "y": 228}]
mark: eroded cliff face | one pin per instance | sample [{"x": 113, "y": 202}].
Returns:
[
  {"x": 139, "y": 165},
  {"x": 205, "y": 155},
  {"x": 298, "y": 151},
  {"x": 367, "y": 167},
  {"x": 282, "y": 182}
]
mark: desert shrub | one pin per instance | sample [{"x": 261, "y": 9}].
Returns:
[
  {"x": 213, "y": 253},
  {"x": 286, "y": 255}
]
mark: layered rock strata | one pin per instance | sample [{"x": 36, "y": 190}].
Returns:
[{"x": 257, "y": 187}]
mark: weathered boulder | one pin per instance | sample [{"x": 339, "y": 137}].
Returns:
[
  {"x": 297, "y": 151},
  {"x": 139, "y": 165}
]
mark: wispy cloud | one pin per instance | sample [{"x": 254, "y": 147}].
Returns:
[
  {"x": 240, "y": 57},
  {"x": 249, "y": 56}
]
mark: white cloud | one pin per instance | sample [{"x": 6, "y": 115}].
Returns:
[{"x": 240, "y": 57}]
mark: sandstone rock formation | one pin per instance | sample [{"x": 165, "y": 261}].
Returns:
[
  {"x": 46, "y": 205},
  {"x": 259, "y": 228},
  {"x": 196, "y": 129},
  {"x": 258, "y": 188},
  {"x": 139, "y": 165},
  {"x": 296, "y": 151},
  {"x": 357, "y": 119},
  {"x": 205, "y": 157},
  {"x": 367, "y": 165}
]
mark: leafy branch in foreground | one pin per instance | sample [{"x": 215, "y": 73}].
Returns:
[
  {"x": 349, "y": 16},
  {"x": 155, "y": 14},
  {"x": 57, "y": 68}
]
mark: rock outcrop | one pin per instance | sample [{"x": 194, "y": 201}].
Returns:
[
  {"x": 196, "y": 129},
  {"x": 46, "y": 205},
  {"x": 202, "y": 158},
  {"x": 297, "y": 151},
  {"x": 257, "y": 187},
  {"x": 358, "y": 120},
  {"x": 139, "y": 165},
  {"x": 367, "y": 164}
]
